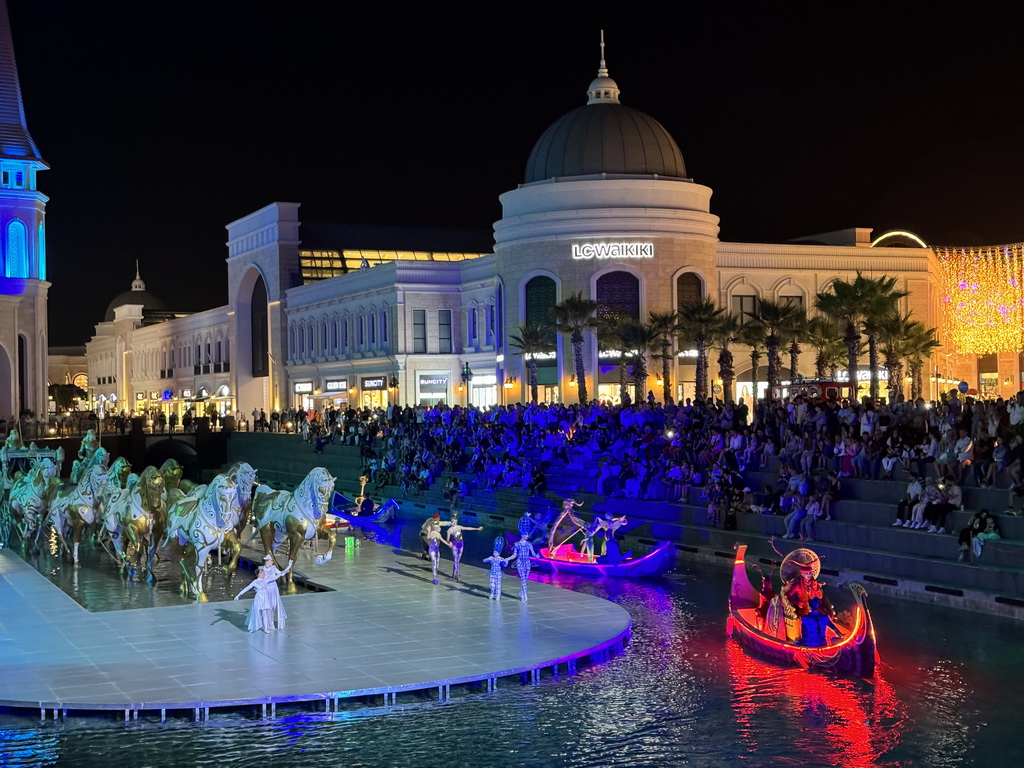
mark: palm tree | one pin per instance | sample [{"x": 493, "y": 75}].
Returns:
[
  {"x": 726, "y": 333},
  {"x": 637, "y": 340},
  {"x": 894, "y": 334},
  {"x": 574, "y": 316},
  {"x": 776, "y": 319},
  {"x": 920, "y": 345},
  {"x": 532, "y": 339},
  {"x": 843, "y": 303},
  {"x": 796, "y": 330},
  {"x": 823, "y": 334},
  {"x": 880, "y": 300},
  {"x": 667, "y": 326},
  {"x": 697, "y": 322},
  {"x": 752, "y": 334}
]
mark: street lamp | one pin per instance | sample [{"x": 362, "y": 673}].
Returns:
[{"x": 467, "y": 378}]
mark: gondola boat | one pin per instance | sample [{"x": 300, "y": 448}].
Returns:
[
  {"x": 342, "y": 506},
  {"x": 564, "y": 558},
  {"x": 852, "y": 653}
]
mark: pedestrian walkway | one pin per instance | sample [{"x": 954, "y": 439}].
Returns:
[{"x": 383, "y": 630}]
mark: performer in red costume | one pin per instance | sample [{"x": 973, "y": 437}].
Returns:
[{"x": 800, "y": 591}]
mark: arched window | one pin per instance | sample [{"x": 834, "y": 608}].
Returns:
[
  {"x": 259, "y": 329},
  {"x": 541, "y": 294},
  {"x": 689, "y": 290},
  {"x": 42, "y": 251},
  {"x": 618, "y": 295},
  {"x": 793, "y": 296},
  {"x": 17, "y": 250}
]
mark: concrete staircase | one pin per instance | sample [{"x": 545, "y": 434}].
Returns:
[{"x": 859, "y": 543}]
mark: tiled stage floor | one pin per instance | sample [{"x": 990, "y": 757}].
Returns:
[{"x": 386, "y": 628}]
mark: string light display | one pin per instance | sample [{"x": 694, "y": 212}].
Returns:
[{"x": 983, "y": 298}]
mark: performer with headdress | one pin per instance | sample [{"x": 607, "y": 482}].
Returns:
[
  {"x": 454, "y": 541},
  {"x": 497, "y": 563},
  {"x": 266, "y": 606},
  {"x": 522, "y": 551}
]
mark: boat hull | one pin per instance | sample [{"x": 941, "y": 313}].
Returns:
[{"x": 654, "y": 563}]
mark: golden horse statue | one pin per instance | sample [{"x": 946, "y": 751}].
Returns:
[
  {"x": 200, "y": 522},
  {"x": 244, "y": 477},
  {"x": 298, "y": 516},
  {"x": 29, "y": 499},
  {"x": 74, "y": 506},
  {"x": 129, "y": 520}
]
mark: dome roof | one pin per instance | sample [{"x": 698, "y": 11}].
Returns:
[
  {"x": 137, "y": 295},
  {"x": 605, "y": 137}
]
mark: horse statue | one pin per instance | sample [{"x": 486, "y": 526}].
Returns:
[
  {"x": 299, "y": 516},
  {"x": 74, "y": 505},
  {"x": 200, "y": 522},
  {"x": 26, "y": 505},
  {"x": 244, "y": 477},
  {"x": 171, "y": 470},
  {"x": 128, "y": 517}
]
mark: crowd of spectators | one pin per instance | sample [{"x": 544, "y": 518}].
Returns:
[{"x": 697, "y": 452}]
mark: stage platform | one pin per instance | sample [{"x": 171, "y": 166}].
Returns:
[{"x": 384, "y": 630}]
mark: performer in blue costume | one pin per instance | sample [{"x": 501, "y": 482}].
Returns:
[
  {"x": 454, "y": 541},
  {"x": 814, "y": 626},
  {"x": 497, "y": 563},
  {"x": 522, "y": 552}
]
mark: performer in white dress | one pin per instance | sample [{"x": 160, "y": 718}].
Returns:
[{"x": 267, "y": 605}]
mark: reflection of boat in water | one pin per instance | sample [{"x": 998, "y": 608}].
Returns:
[
  {"x": 343, "y": 507},
  {"x": 853, "y": 652}
]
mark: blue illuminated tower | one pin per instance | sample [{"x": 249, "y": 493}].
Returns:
[{"x": 23, "y": 286}]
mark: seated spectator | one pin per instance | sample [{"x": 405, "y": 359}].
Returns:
[
  {"x": 795, "y": 517},
  {"x": 950, "y": 500},
  {"x": 964, "y": 451},
  {"x": 977, "y": 523},
  {"x": 807, "y": 524},
  {"x": 910, "y": 498},
  {"x": 930, "y": 493}
]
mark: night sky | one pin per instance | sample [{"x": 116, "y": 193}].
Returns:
[{"x": 163, "y": 121}]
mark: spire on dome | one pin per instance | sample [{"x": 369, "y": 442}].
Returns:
[
  {"x": 137, "y": 284},
  {"x": 603, "y": 90},
  {"x": 15, "y": 141}
]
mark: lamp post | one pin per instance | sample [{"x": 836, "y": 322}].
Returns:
[{"x": 467, "y": 379}]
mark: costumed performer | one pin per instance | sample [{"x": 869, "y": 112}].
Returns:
[
  {"x": 267, "y": 601},
  {"x": 434, "y": 521},
  {"x": 800, "y": 591},
  {"x": 610, "y": 525},
  {"x": 497, "y": 563},
  {"x": 814, "y": 626},
  {"x": 522, "y": 551},
  {"x": 454, "y": 541}
]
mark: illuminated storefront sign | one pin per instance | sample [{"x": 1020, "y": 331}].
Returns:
[
  {"x": 433, "y": 383},
  {"x": 336, "y": 385},
  {"x": 613, "y": 250},
  {"x": 303, "y": 387},
  {"x": 186, "y": 393},
  {"x": 376, "y": 382}
]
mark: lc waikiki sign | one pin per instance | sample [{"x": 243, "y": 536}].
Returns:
[{"x": 586, "y": 251}]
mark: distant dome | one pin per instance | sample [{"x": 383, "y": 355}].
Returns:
[
  {"x": 605, "y": 137},
  {"x": 137, "y": 295}
]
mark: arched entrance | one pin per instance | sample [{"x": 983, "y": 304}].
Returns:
[{"x": 251, "y": 364}]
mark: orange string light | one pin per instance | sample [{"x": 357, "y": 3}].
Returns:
[{"x": 983, "y": 298}]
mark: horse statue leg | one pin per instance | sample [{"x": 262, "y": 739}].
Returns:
[
  {"x": 326, "y": 532},
  {"x": 190, "y": 571},
  {"x": 234, "y": 546}
]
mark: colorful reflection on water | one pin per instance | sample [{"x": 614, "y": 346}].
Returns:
[{"x": 681, "y": 693}]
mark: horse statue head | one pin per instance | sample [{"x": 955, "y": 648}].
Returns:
[
  {"x": 150, "y": 489},
  {"x": 315, "y": 492},
  {"x": 171, "y": 472},
  {"x": 119, "y": 472}
]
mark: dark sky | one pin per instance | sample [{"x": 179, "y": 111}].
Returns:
[{"x": 163, "y": 121}]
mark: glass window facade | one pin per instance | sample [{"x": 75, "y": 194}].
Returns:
[
  {"x": 444, "y": 331},
  {"x": 419, "y": 331}
]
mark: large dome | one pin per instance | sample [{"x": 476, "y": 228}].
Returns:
[
  {"x": 137, "y": 295},
  {"x": 605, "y": 137}
]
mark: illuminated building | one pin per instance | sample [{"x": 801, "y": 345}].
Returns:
[
  {"x": 321, "y": 313},
  {"x": 23, "y": 286}
]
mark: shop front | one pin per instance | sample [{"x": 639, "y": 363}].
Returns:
[
  {"x": 335, "y": 394},
  {"x": 432, "y": 387},
  {"x": 374, "y": 390},
  {"x": 484, "y": 390},
  {"x": 303, "y": 394}
]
